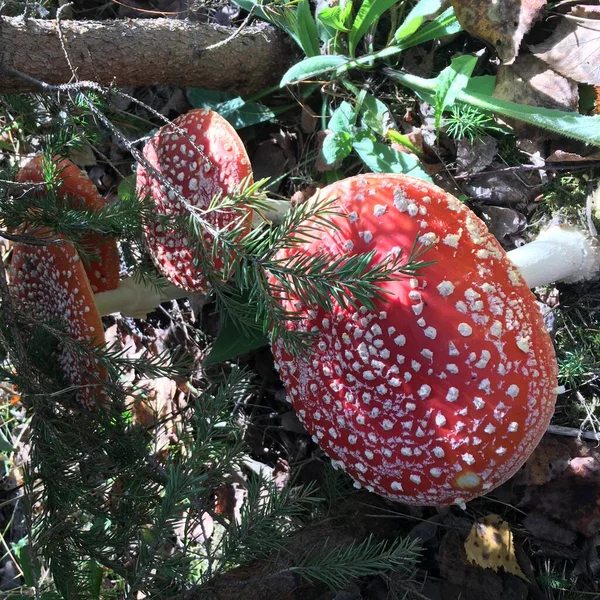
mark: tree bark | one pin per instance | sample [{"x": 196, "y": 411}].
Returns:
[{"x": 138, "y": 52}]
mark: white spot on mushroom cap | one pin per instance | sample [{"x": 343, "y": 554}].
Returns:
[{"x": 465, "y": 329}]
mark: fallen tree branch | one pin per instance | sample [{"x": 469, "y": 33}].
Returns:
[{"x": 137, "y": 52}]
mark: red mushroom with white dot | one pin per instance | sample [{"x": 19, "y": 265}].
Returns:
[
  {"x": 51, "y": 286},
  {"x": 199, "y": 157},
  {"x": 443, "y": 391},
  {"x": 78, "y": 189},
  {"x": 129, "y": 296}
]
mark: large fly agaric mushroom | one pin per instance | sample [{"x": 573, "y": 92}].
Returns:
[
  {"x": 77, "y": 188},
  {"x": 441, "y": 393},
  {"x": 50, "y": 285},
  {"x": 200, "y": 156}
]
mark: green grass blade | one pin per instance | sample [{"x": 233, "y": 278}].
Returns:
[
  {"x": 307, "y": 29},
  {"x": 368, "y": 13}
]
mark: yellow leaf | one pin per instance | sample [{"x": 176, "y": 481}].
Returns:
[{"x": 490, "y": 545}]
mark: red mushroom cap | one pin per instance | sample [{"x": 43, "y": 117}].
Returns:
[
  {"x": 442, "y": 392},
  {"x": 207, "y": 159},
  {"x": 51, "y": 286},
  {"x": 103, "y": 272}
]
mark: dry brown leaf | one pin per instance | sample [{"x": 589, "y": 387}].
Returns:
[
  {"x": 548, "y": 460},
  {"x": 572, "y": 498},
  {"x": 490, "y": 545},
  {"x": 573, "y": 49},
  {"x": 530, "y": 81},
  {"x": 472, "y": 156},
  {"x": 501, "y": 23}
]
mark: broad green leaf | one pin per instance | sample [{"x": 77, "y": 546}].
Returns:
[
  {"x": 333, "y": 17},
  {"x": 313, "y": 66},
  {"x": 383, "y": 159},
  {"x": 21, "y": 549},
  {"x": 369, "y": 12},
  {"x": 233, "y": 340},
  {"x": 233, "y": 108},
  {"x": 580, "y": 127},
  {"x": 126, "y": 189},
  {"x": 451, "y": 81},
  {"x": 444, "y": 24},
  {"x": 415, "y": 18},
  {"x": 201, "y": 98},
  {"x": 484, "y": 84},
  {"x": 245, "y": 113},
  {"x": 343, "y": 118},
  {"x": 375, "y": 114},
  {"x": 336, "y": 146}
]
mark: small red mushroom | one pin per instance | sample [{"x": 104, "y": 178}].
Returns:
[
  {"x": 201, "y": 156},
  {"x": 442, "y": 392},
  {"x": 103, "y": 271},
  {"x": 50, "y": 285}
]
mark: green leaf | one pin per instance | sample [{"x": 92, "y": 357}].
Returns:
[
  {"x": 580, "y": 127},
  {"x": 570, "y": 124},
  {"x": 244, "y": 114},
  {"x": 288, "y": 20},
  {"x": 335, "y": 17},
  {"x": 126, "y": 189},
  {"x": 451, "y": 82},
  {"x": 383, "y": 159},
  {"x": 343, "y": 118},
  {"x": 376, "y": 115},
  {"x": 485, "y": 84},
  {"x": 369, "y": 12},
  {"x": 233, "y": 108},
  {"x": 5, "y": 445},
  {"x": 201, "y": 98},
  {"x": 233, "y": 340},
  {"x": 94, "y": 578},
  {"x": 444, "y": 24},
  {"x": 307, "y": 29},
  {"x": 312, "y": 66},
  {"x": 415, "y": 18},
  {"x": 336, "y": 146},
  {"x": 399, "y": 138},
  {"x": 21, "y": 549}
]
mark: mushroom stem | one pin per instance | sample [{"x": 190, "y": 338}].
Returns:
[
  {"x": 275, "y": 212},
  {"x": 559, "y": 253},
  {"x": 135, "y": 298}
]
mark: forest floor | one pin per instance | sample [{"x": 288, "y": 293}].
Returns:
[{"x": 517, "y": 179}]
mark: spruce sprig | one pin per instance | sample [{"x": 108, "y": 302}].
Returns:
[
  {"x": 337, "y": 567},
  {"x": 258, "y": 263}
]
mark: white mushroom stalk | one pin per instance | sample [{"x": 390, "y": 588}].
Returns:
[
  {"x": 136, "y": 299},
  {"x": 560, "y": 253}
]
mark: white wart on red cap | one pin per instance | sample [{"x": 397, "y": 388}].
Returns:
[
  {"x": 51, "y": 286},
  {"x": 207, "y": 159},
  {"x": 442, "y": 392}
]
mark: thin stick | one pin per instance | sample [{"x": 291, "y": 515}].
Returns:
[
  {"x": 573, "y": 432},
  {"x": 558, "y": 166}
]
